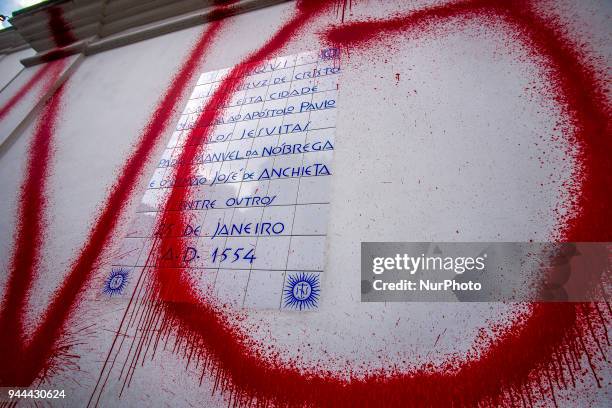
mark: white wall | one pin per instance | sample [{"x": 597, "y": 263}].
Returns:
[
  {"x": 447, "y": 153},
  {"x": 10, "y": 65}
]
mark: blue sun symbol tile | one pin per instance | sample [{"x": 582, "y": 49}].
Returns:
[
  {"x": 301, "y": 291},
  {"x": 116, "y": 281}
]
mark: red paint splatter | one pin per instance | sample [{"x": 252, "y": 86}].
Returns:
[
  {"x": 59, "y": 27},
  {"x": 504, "y": 370},
  {"x": 30, "y": 225}
]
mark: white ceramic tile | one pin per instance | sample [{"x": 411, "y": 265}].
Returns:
[
  {"x": 193, "y": 106},
  {"x": 322, "y": 100},
  {"x": 283, "y": 214},
  {"x": 230, "y": 286},
  {"x": 306, "y": 58},
  {"x": 296, "y": 102},
  {"x": 264, "y": 241},
  {"x": 238, "y": 99},
  {"x": 281, "y": 76},
  {"x": 271, "y": 253},
  {"x": 207, "y": 172},
  {"x": 158, "y": 176},
  {"x": 264, "y": 142},
  {"x": 326, "y": 82},
  {"x": 264, "y": 290},
  {"x": 285, "y": 190},
  {"x": 293, "y": 161},
  {"x": 310, "y": 219},
  {"x": 333, "y": 94},
  {"x": 239, "y": 251},
  {"x": 275, "y": 105},
  {"x": 270, "y": 127},
  {"x": 182, "y": 122},
  {"x": 187, "y": 254},
  {"x": 207, "y": 77},
  {"x": 306, "y": 253},
  {"x": 221, "y": 133},
  {"x": 147, "y": 244},
  {"x": 128, "y": 252},
  {"x": 323, "y": 119},
  {"x": 153, "y": 199},
  {"x": 278, "y": 92},
  {"x": 200, "y": 91},
  {"x": 217, "y": 195},
  {"x": 248, "y": 215},
  {"x": 118, "y": 282},
  {"x": 257, "y": 92},
  {"x": 250, "y": 189},
  {"x": 320, "y": 158},
  {"x": 301, "y": 291},
  {"x": 193, "y": 224},
  {"x": 142, "y": 225},
  {"x": 321, "y": 135},
  {"x": 244, "y": 130},
  {"x": 303, "y": 87},
  {"x": 254, "y": 170},
  {"x": 182, "y": 138},
  {"x": 165, "y": 159},
  {"x": 205, "y": 280},
  {"x": 222, "y": 74},
  {"x": 286, "y": 61},
  {"x": 314, "y": 190},
  {"x": 174, "y": 139},
  {"x": 237, "y": 149},
  {"x": 231, "y": 172},
  {"x": 213, "y": 219}
]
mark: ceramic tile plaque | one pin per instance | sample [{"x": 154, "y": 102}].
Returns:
[{"x": 259, "y": 203}]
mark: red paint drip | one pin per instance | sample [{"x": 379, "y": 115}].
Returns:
[
  {"x": 59, "y": 27},
  {"x": 341, "y": 6},
  {"x": 507, "y": 369},
  {"x": 24, "y": 368}
]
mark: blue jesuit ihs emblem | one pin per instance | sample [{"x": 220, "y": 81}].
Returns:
[
  {"x": 301, "y": 291},
  {"x": 116, "y": 282}
]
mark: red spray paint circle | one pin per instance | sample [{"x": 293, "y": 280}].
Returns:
[{"x": 539, "y": 354}]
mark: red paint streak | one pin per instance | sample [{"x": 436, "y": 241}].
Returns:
[
  {"x": 588, "y": 111},
  {"x": 62, "y": 36},
  {"x": 59, "y": 27},
  {"x": 33, "y": 81},
  {"x": 504, "y": 370},
  {"x": 30, "y": 224},
  {"x": 26, "y": 367}
]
